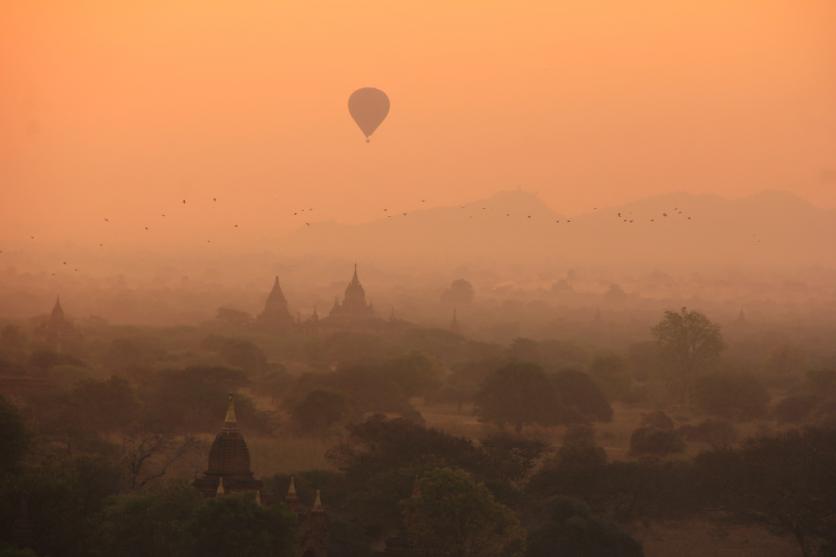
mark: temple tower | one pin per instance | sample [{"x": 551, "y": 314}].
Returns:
[
  {"x": 313, "y": 533},
  {"x": 229, "y": 461},
  {"x": 276, "y": 312},
  {"x": 354, "y": 306}
]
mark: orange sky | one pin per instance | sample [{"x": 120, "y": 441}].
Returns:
[{"x": 123, "y": 108}]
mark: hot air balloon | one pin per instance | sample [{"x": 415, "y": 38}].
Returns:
[{"x": 369, "y": 107}]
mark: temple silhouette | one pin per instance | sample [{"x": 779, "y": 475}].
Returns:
[
  {"x": 228, "y": 472},
  {"x": 276, "y": 312},
  {"x": 57, "y": 332},
  {"x": 354, "y": 311}
]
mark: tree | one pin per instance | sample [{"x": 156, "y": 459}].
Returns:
[
  {"x": 579, "y": 392},
  {"x": 731, "y": 395},
  {"x": 58, "y": 502},
  {"x": 518, "y": 394},
  {"x": 615, "y": 295},
  {"x": 318, "y": 412},
  {"x": 103, "y": 406},
  {"x": 381, "y": 444},
  {"x": 13, "y": 439},
  {"x": 795, "y": 408},
  {"x": 149, "y": 455},
  {"x": 235, "y": 526},
  {"x": 572, "y": 529},
  {"x": 785, "y": 482},
  {"x": 179, "y": 522},
  {"x": 579, "y": 452},
  {"x": 452, "y": 515},
  {"x": 716, "y": 433},
  {"x": 611, "y": 373},
  {"x": 150, "y": 523},
  {"x": 654, "y": 442},
  {"x": 233, "y": 317},
  {"x": 382, "y": 457},
  {"x": 690, "y": 342},
  {"x": 460, "y": 293},
  {"x": 415, "y": 373},
  {"x": 657, "y": 419},
  {"x": 512, "y": 456},
  {"x": 237, "y": 352},
  {"x": 194, "y": 400},
  {"x": 575, "y": 469}
]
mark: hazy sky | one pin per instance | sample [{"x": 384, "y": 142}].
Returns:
[{"x": 123, "y": 108}]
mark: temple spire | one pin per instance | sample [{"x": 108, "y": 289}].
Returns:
[
  {"x": 230, "y": 421},
  {"x": 57, "y": 310},
  {"x": 317, "y": 504},
  {"x": 220, "y": 490},
  {"x": 292, "y": 499}
]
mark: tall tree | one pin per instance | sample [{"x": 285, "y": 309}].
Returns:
[
  {"x": 573, "y": 530},
  {"x": 690, "y": 341},
  {"x": 12, "y": 436},
  {"x": 451, "y": 515},
  {"x": 518, "y": 394}
]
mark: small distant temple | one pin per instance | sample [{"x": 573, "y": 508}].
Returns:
[
  {"x": 354, "y": 309},
  {"x": 57, "y": 331},
  {"x": 229, "y": 472},
  {"x": 353, "y": 312},
  {"x": 276, "y": 312}
]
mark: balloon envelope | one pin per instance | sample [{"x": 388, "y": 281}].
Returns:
[{"x": 369, "y": 107}]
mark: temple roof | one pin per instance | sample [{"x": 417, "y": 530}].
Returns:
[
  {"x": 57, "y": 310},
  {"x": 229, "y": 455},
  {"x": 275, "y": 307}
]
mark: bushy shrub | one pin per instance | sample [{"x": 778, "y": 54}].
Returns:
[
  {"x": 794, "y": 408},
  {"x": 651, "y": 441},
  {"x": 717, "y": 433},
  {"x": 738, "y": 396},
  {"x": 657, "y": 419}
]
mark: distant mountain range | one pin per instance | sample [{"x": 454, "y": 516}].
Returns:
[{"x": 515, "y": 227}]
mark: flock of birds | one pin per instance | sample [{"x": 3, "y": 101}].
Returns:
[{"x": 623, "y": 217}]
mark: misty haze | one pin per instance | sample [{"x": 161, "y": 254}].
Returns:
[{"x": 418, "y": 279}]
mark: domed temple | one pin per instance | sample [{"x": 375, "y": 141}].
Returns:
[
  {"x": 229, "y": 461},
  {"x": 229, "y": 472}
]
